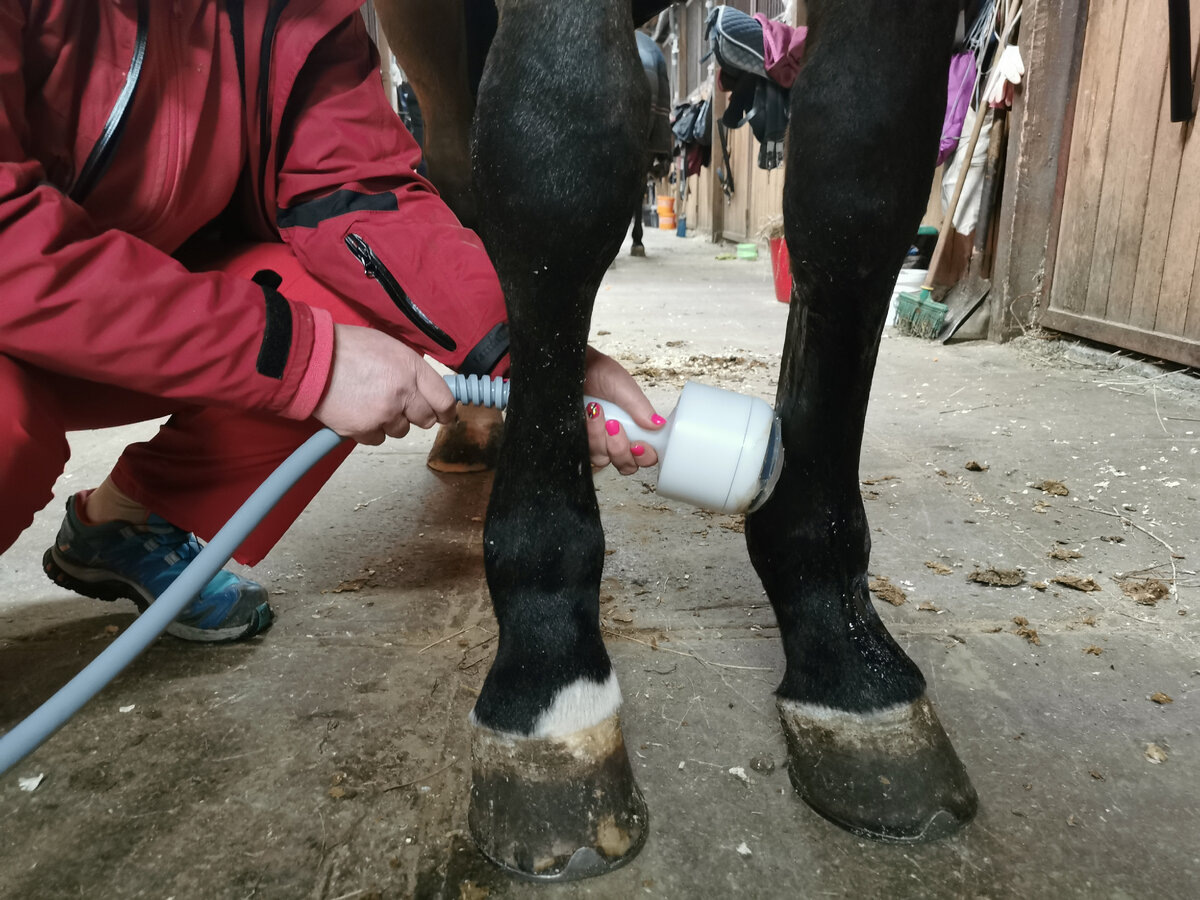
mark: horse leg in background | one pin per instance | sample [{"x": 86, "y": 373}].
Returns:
[
  {"x": 866, "y": 749},
  {"x": 557, "y": 155},
  {"x": 429, "y": 40},
  {"x": 638, "y": 249}
]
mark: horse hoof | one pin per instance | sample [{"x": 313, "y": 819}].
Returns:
[
  {"x": 556, "y": 809},
  {"x": 891, "y": 775},
  {"x": 472, "y": 444},
  {"x": 637, "y": 250}
]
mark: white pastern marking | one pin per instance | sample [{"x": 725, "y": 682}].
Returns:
[
  {"x": 578, "y": 706},
  {"x": 820, "y": 713}
]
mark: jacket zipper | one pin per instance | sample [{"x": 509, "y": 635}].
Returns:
[
  {"x": 274, "y": 11},
  {"x": 374, "y": 268}
]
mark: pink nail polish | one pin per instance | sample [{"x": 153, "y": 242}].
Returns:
[
  {"x": 658, "y": 420},
  {"x": 612, "y": 426},
  {"x": 637, "y": 449},
  {"x": 593, "y": 410}
]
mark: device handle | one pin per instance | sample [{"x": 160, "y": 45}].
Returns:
[{"x": 655, "y": 440}]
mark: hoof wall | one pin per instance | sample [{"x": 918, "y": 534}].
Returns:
[
  {"x": 556, "y": 809},
  {"x": 472, "y": 444},
  {"x": 637, "y": 250},
  {"x": 891, "y": 776}
]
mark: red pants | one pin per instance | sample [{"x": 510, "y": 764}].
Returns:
[{"x": 202, "y": 464}]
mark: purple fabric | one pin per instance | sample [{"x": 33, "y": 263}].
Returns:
[
  {"x": 783, "y": 47},
  {"x": 958, "y": 101}
]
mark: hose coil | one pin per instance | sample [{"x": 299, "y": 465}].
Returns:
[{"x": 474, "y": 390}]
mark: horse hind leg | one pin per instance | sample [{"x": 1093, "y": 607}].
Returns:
[
  {"x": 638, "y": 248},
  {"x": 865, "y": 746},
  {"x": 429, "y": 40},
  {"x": 553, "y": 795}
]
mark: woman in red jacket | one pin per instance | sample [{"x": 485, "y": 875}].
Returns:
[{"x": 211, "y": 212}]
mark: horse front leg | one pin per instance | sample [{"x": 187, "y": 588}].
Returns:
[
  {"x": 557, "y": 165},
  {"x": 866, "y": 749}
]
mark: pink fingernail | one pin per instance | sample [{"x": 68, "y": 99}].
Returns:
[
  {"x": 593, "y": 410},
  {"x": 612, "y": 426},
  {"x": 637, "y": 449},
  {"x": 658, "y": 420}
]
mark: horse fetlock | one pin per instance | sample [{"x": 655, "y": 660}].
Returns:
[
  {"x": 556, "y": 808},
  {"x": 891, "y": 774}
]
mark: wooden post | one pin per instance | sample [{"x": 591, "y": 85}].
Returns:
[{"x": 1051, "y": 44}]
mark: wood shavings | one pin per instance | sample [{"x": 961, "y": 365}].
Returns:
[
  {"x": 740, "y": 774},
  {"x": 997, "y": 577},
  {"x": 1023, "y": 630},
  {"x": 880, "y": 480},
  {"x": 1161, "y": 699},
  {"x": 1144, "y": 592},
  {"x": 973, "y": 466},
  {"x": 1093, "y": 650},
  {"x": 1155, "y": 754},
  {"x": 883, "y": 588},
  {"x": 1054, "y": 488},
  {"x": 1077, "y": 582},
  {"x": 469, "y": 890},
  {"x": 353, "y": 584},
  {"x": 1064, "y": 553},
  {"x": 938, "y": 568}
]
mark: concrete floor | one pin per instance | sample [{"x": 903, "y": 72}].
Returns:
[{"x": 330, "y": 759}]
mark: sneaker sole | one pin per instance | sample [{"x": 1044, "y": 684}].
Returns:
[{"x": 101, "y": 584}]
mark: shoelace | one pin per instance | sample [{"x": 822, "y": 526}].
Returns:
[{"x": 180, "y": 544}]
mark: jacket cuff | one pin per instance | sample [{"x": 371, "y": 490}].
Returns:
[{"x": 316, "y": 375}]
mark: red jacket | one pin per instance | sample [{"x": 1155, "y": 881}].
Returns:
[{"x": 92, "y": 291}]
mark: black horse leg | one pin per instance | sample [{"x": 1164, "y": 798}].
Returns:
[
  {"x": 558, "y": 166},
  {"x": 866, "y": 749},
  {"x": 637, "y": 249}
]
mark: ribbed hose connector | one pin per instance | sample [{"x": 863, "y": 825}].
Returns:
[{"x": 476, "y": 391}]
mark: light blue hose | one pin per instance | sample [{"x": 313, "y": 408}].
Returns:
[
  {"x": 30, "y": 733},
  {"x": 475, "y": 390}
]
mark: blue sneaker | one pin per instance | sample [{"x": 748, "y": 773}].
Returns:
[{"x": 139, "y": 562}]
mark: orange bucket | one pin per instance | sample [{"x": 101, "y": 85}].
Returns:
[{"x": 666, "y": 213}]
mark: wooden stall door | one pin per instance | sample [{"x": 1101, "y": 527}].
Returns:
[{"x": 1126, "y": 271}]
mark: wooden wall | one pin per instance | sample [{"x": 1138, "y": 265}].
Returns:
[{"x": 1126, "y": 265}]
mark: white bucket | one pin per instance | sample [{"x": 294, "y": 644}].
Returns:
[{"x": 908, "y": 281}]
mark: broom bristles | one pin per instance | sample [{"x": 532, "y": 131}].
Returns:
[{"x": 919, "y": 316}]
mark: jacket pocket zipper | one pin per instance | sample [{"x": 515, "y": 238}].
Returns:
[{"x": 374, "y": 268}]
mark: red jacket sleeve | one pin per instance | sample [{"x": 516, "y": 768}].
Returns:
[
  {"x": 107, "y": 307},
  {"x": 360, "y": 218}
]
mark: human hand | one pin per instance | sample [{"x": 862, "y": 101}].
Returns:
[
  {"x": 607, "y": 441},
  {"x": 378, "y": 387}
]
